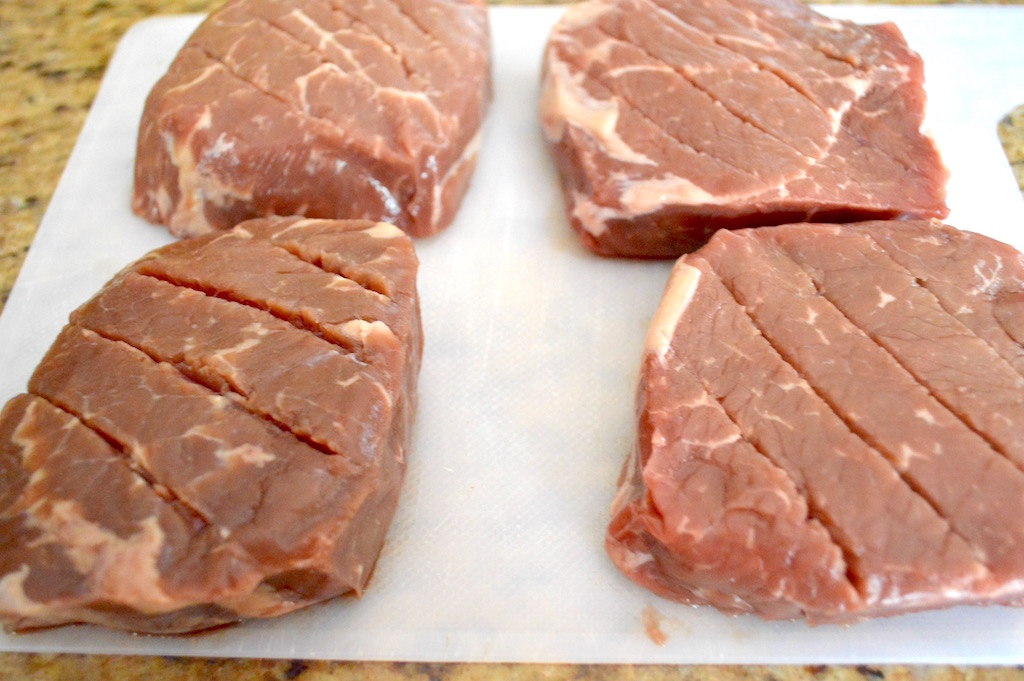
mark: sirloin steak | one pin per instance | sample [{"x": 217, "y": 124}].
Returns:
[
  {"x": 218, "y": 434},
  {"x": 670, "y": 119},
  {"x": 830, "y": 425},
  {"x": 364, "y": 109}
]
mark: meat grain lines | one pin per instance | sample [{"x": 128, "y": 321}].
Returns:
[
  {"x": 670, "y": 119},
  {"x": 827, "y": 425},
  {"x": 320, "y": 108},
  {"x": 219, "y": 434}
]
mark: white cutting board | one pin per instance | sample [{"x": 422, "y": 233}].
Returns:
[{"x": 526, "y": 390}]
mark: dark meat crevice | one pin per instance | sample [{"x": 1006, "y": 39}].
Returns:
[
  {"x": 768, "y": 69},
  {"x": 351, "y": 65},
  {"x": 737, "y": 115},
  {"x": 967, "y": 419},
  {"x": 192, "y": 517},
  {"x": 317, "y": 259},
  {"x": 854, "y": 485},
  {"x": 924, "y": 282},
  {"x": 827, "y": 159},
  {"x": 295, "y": 320},
  {"x": 690, "y": 144},
  {"x": 1011, "y": 334},
  {"x": 413, "y": 21},
  {"x": 214, "y": 284},
  {"x": 186, "y": 452},
  {"x": 292, "y": 106},
  {"x": 814, "y": 512},
  {"x": 224, "y": 386},
  {"x": 707, "y": 458},
  {"x": 669, "y": 138},
  {"x": 368, "y": 29},
  {"x": 351, "y": 70},
  {"x": 908, "y": 478},
  {"x": 818, "y": 47},
  {"x": 729, "y": 42},
  {"x": 132, "y": 461},
  {"x": 853, "y": 61},
  {"x": 355, "y": 72},
  {"x": 218, "y": 61}
]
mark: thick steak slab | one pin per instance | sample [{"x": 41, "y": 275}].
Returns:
[
  {"x": 670, "y": 119},
  {"x": 364, "y": 109},
  {"x": 820, "y": 436},
  {"x": 194, "y": 450}
]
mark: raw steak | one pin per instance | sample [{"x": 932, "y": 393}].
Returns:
[
  {"x": 830, "y": 425},
  {"x": 218, "y": 434},
  {"x": 326, "y": 108},
  {"x": 670, "y": 119}
]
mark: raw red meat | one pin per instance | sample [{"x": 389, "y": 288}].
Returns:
[
  {"x": 826, "y": 431},
  {"x": 220, "y": 433},
  {"x": 670, "y": 119},
  {"x": 326, "y": 108}
]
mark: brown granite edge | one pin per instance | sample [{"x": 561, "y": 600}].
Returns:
[
  {"x": 1011, "y": 135},
  {"x": 52, "y": 57},
  {"x": 103, "y": 667}
]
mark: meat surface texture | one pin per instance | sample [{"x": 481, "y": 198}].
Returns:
[
  {"x": 830, "y": 425},
  {"x": 362, "y": 109},
  {"x": 670, "y": 119},
  {"x": 220, "y": 433}
]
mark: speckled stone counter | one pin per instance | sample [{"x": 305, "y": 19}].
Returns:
[
  {"x": 52, "y": 57},
  {"x": 1011, "y": 134}
]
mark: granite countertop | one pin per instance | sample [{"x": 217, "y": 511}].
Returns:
[{"x": 52, "y": 56}]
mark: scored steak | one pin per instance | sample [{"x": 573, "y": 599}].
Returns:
[
  {"x": 830, "y": 425},
  {"x": 326, "y": 108},
  {"x": 670, "y": 119},
  {"x": 218, "y": 434}
]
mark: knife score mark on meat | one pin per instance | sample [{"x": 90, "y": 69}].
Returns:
[
  {"x": 220, "y": 433},
  {"x": 670, "y": 119},
  {"x": 829, "y": 425},
  {"x": 324, "y": 108}
]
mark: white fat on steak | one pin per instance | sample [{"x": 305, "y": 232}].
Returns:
[
  {"x": 826, "y": 430},
  {"x": 218, "y": 434},
  {"x": 670, "y": 119},
  {"x": 324, "y": 108}
]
